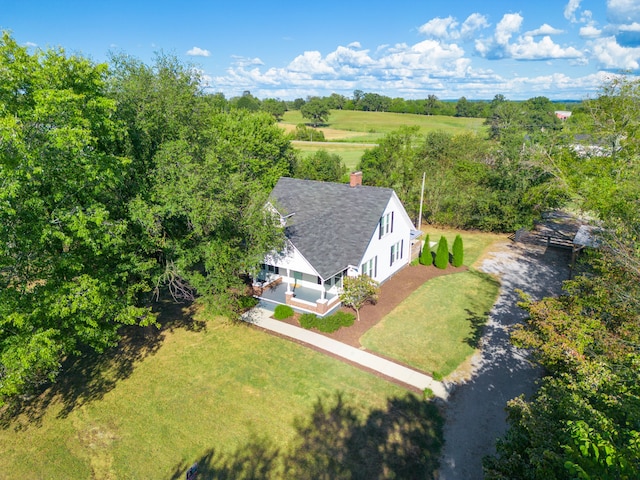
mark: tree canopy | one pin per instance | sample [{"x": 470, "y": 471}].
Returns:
[
  {"x": 583, "y": 422},
  {"x": 118, "y": 182}
]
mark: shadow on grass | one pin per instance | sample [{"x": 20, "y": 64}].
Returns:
[
  {"x": 476, "y": 323},
  {"x": 402, "y": 441},
  {"x": 89, "y": 375}
]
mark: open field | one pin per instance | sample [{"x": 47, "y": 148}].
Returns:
[
  {"x": 351, "y": 153},
  {"x": 217, "y": 388},
  {"x": 438, "y": 326},
  {"x": 369, "y": 127},
  {"x": 350, "y": 133}
]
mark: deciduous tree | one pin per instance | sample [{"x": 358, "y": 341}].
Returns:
[{"x": 359, "y": 290}]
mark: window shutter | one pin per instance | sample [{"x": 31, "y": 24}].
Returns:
[
  {"x": 391, "y": 222},
  {"x": 375, "y": 267},
  {"x": 401, "y": 247},
  {"x": 380, "y": 229}
]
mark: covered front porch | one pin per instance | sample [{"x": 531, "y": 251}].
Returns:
[{"x": 301, "y": 298}]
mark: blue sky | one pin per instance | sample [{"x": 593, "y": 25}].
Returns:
[{"x": 562, "y": 49}]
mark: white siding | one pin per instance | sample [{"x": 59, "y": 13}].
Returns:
[
  {"x": 381, "y": 247},
  {"x": 293, "y": 260}
]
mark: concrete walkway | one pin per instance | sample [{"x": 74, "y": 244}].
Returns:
[{"x": 262, "y": 318}]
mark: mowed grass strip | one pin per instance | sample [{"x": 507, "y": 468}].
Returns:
[
  {"x": 215, "y": 389},
  {"x": 350, "y": 153},
  {"x": 374, "y": 125},
  {"x": 437, "y": 327}
]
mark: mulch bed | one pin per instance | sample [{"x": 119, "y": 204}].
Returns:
[{"x": 392, "y": 292}]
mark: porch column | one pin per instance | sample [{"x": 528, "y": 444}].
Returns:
[
  {"x": 323, "y": 294},
  {"x": 288, "y": 282}
]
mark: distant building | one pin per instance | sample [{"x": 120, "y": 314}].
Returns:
[{"x": 562, "y": 114}]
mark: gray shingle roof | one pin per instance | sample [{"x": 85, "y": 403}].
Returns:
[{"x": 331, "y": 224}]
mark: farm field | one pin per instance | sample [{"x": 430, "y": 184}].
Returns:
[
  {"x": 350, "y": 133},
  {"x": 369, "y": 127},
  {"x": 351, "y": 153}
]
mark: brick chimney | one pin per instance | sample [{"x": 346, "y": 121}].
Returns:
[{"x": 355, "y": 179}]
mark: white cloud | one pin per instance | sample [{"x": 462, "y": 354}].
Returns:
[
  {"x": 570, "y": 10},
  {"x": 310, "y": 63},
  {"x": 589, "y": 31},
  {"x": 509, "y": 25},
  {"x": 198, "y": 52},
  {"x": 439, "y": 27},
  {"x": 474, "y": 22},
  {"x": 633, "y": 27},
  {"x": 354, "y": 45},
  {"x": 623, "y": 11},
  {"x": 246, "y": 61},
  {"x": 611, "y": 55},
  {"x": 528, "y": 49},
  {"x": 545, "y": 29}
]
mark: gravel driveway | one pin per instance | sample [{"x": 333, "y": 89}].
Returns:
[{"x": 475, "y": 414}]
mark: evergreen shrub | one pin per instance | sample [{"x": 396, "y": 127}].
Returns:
[
  {"x": 442, "y": 254},
  {"x": 457, "y": 251},
  {"x": 426, "y": 258}
]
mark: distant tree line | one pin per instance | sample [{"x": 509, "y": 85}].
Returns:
[{"x": 374, "y": 102}]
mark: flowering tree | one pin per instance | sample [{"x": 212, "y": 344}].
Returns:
[{"x": 356, "y": 291}]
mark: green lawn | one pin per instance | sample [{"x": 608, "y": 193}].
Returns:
[
  {"x": 374, "y": 125},
  {"x": 350, "y": 153},
  {"x": 437, "y": 327},
  {"x": 200, "y": 390}
]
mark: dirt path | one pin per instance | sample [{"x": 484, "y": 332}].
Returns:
[{"x": 475, "y": 415}]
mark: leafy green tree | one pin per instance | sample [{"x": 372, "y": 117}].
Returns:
[
  {"x": 578, "y": 425},
  {"x": 70, "y": 273},
  {"x": 205, "y": 218},
  {"x": 275, "y": 107},
  {"x": 442, "y": 254},
  {"x": 426, "y": 257},
  {"x": 321, "y": 165},
  {"x": 357, "y": 291},
  {"x": 316, "y": 110},
  {"x": 336, "y": 101},
  {"x": 457, "y": 252},
  {"x": 247, "y": 102}
]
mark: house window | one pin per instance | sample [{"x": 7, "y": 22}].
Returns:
[
  {"x": 370, "y": 268},
  {"x": 386, "y": 225},
  {"x": 396, "y": 251},
  {"x": 273, "y": 269}
]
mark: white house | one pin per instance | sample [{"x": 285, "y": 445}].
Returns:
[{"x": 333, "y": 230}]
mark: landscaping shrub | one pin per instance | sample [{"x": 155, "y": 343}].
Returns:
[
  {"x": 327, "y": 324},
  {"x": 308, "y": 320},
  {"x": 426, "y": 258},
  {"x": 282, "y": 311},
  {"x": 247, "y": 303},
  {"x": 442, "y": 254},
  {"x": 457, "y": 251}
]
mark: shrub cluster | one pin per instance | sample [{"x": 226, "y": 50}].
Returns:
[
  {"x": 282, "y": 311},
  {"x": 327, "y": 324},
  {"x": 305, "y": 133}
]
